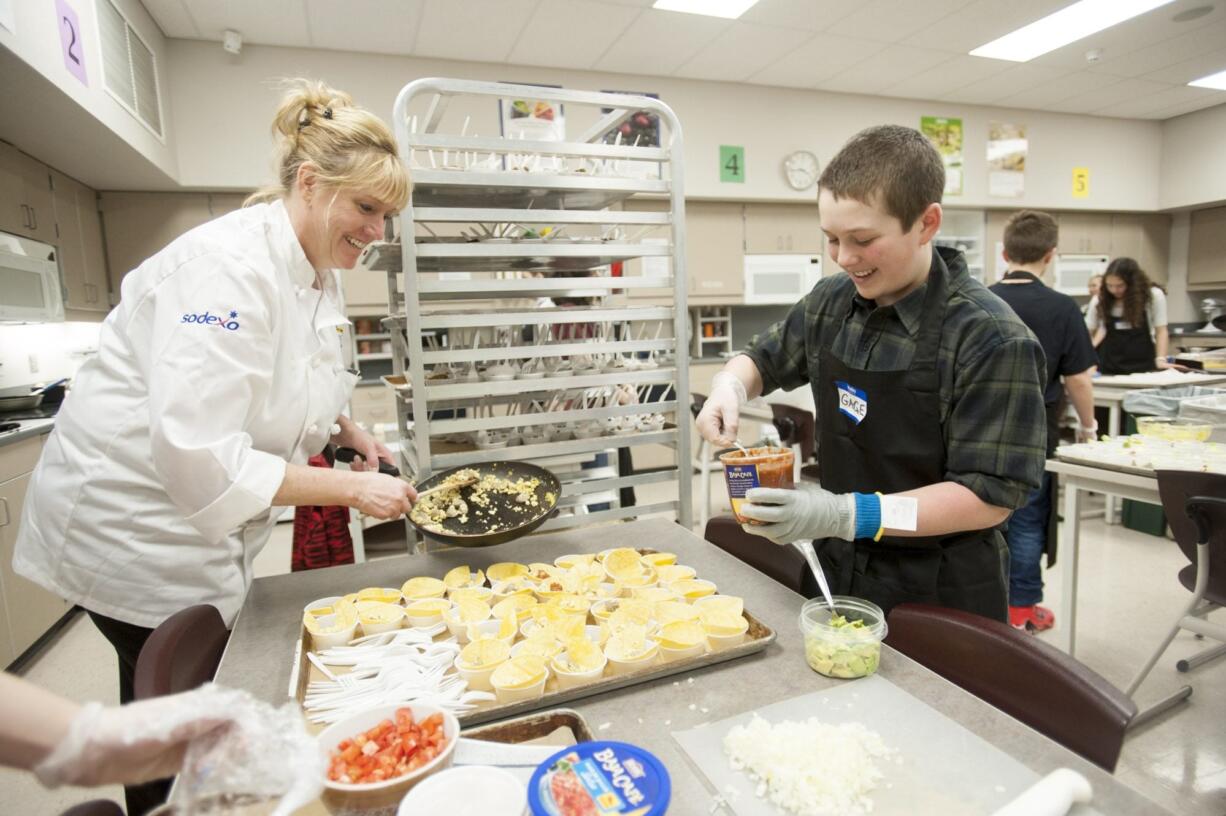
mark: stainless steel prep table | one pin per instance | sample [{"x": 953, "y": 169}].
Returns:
[{"x": 260, "y": 657}]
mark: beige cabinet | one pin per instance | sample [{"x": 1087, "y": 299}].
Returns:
[
  {"x": 25, "y": 196},
  {"x": 79, "y": 240},
  {"x": 1145, "y": 237},
  {"x": 782, "y": 228},
  {"x": 1207, "y": 250},
  {"x": 1085, "y": 233},
  {"x": 28, "y": 609},
  {"x": 714, "y": 252},
  {"x": 139, "y": 225}
]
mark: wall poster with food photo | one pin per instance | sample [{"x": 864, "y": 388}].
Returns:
[
  {"x": 945, "y": 133},
  {"x": 534, "y": 119},
  {"x": 640, "y": 129},
  {"x": 1007, "y": 148}
]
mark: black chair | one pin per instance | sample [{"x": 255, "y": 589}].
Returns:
[
  {"x": 1195, "y": 507},
  {"x": 1021, "y": 675},
  {"x": 95, "y": 807},
  {"x": 785, "y": 564},
  {"x": 181, "y": 654}
]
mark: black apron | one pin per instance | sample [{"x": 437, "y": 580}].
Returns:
[
  {"x": 1126, "y": 350},
  {"x": 900, "y": 445}
]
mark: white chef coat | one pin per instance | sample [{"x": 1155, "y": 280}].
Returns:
[{"x": 221, "y": 364}]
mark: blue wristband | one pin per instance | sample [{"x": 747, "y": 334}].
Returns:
[{"x": 868, "y": 515}]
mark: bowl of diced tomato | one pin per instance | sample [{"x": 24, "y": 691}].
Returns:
[{"x": 374, "y": 758}]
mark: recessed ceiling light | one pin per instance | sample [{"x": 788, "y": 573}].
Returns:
[
  {"x": 1067, "y": 25},
  {"x": 730, "y": 9},
  {"x": 1216, "y": 81}
]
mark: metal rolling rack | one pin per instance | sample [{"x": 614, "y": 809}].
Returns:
[{"x": 453, "y": 285}]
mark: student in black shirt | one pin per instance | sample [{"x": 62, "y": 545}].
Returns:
[{"x": 1055, "y": 319}]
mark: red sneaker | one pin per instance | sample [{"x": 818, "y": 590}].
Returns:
[{"x": 1032, "y": 618}]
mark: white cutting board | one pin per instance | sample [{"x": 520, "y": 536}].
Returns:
[{"x": 939, "y": 766}]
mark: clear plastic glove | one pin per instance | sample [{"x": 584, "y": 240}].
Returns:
[
  {"x": 805, "y": 512},
  {"x": 721, "y": 413},
  {"x": 1087, "y": 433},
  {"x": 221, "y": 741}
]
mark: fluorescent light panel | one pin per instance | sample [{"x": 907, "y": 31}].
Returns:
[
  {"x": 1215, "y": 81},
  {"x": 1067, "y": 25},
  {"x": 729, "y": 9}
]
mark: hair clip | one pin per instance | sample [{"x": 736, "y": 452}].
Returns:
[{"x": 327, "y": 113}]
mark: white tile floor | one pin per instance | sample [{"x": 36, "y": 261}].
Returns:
[{"x": 1128, "y": 595}]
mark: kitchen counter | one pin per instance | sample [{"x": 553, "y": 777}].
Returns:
[
  {"x": 29, "y": 427},
  {"x": 260, "y": 656}
]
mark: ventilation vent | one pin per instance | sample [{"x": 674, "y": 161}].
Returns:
[{"x": 128, "y": 67}]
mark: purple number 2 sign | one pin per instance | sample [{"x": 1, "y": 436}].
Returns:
[{"x": 72, "y": 40}]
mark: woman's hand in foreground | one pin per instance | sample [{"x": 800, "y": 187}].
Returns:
[{"x": 382, "y": 496}]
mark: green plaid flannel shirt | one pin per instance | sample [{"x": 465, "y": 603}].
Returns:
[{"x": 991, "y": 369}]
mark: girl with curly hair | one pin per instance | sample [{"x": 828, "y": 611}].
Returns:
[{"x": 1127, "y": 320}]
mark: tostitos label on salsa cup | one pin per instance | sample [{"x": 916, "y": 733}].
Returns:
[
  {"x": 755, "y": 467},
  {"x": 600, "y": 779}
]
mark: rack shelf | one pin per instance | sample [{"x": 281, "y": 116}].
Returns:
[{"x": 614, "y": 375}]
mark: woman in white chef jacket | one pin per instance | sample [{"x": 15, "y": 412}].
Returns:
[{"x": 220, "y": 372}]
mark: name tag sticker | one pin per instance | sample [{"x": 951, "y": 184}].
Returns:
[
  {"x": 900, "y": 513},
  {"x": 852, "y": 401}
]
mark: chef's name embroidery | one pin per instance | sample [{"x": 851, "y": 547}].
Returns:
[
  {"x": 205, "y": 319},
  {"x": 852, "y": 401}
]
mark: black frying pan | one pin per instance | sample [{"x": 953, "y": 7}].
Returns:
[{"x": 510, "y": 520}]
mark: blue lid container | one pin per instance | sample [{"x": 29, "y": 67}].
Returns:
[{"x": 600, "y": 779}]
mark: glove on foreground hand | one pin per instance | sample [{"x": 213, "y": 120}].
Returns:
[
  {"x": 720, "y": 415},
  {"x": 805, "y": 512}
]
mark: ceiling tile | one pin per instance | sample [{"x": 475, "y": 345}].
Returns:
[
  {"x": 1184, "y": 72},
  {"x": 980, "y": 22},
  {"x": 1142, "y": 44},
  {"x": 173, "y": 18},
  {"x": 990, "y": 91},
  {"x": 1042, "y": 94},
  {"x": 1192, "y": 105},
  {"x": 1155, "y": 103},
  {"x": 956, "y": 72},
  {"x": 659, "y": 42},
  {"x": 811, "y": 15},
  {"x": 348, "y": 27},
  {"x": 471, "y": 29},
  {"x": 890, "y": 67},
  {"x": 571, "y": 33},
  {"x": 823, "y": 56},
  {"x": 636, "y": 3},
  {"x": 272, "y": 22},
  {"x": 1094, "y": 101},
  {"x": 742, "y": 50},
  {"x": 894, "y": 20}
]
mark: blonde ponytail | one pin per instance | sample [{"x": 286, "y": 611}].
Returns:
[{"x": 349, "y": 146}]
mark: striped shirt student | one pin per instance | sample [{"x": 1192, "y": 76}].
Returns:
[{"x": 928, "y": 391}]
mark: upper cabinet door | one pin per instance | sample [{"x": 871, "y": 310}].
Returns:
[
  {"x": 782, "y": 228},
  {"x": 714, "y": 254},
  {"x": 26, "y": 206}
]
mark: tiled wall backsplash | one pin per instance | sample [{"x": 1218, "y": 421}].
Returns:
[{"x": 32, "y": 353}]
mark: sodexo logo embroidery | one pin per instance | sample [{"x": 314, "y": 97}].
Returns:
[{"x": 229, "y": 323}]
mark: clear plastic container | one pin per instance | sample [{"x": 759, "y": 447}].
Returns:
[
  {"x": 1173, "y": 429},
  {"x": 755, "y": 467},
  {"x": 845, "y": 651}
]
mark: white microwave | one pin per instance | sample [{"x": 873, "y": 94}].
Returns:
[
  {"x": 1072, "y": 273},
  {"x": 781, "y": 279},
  {"x": 29, "y": 281}
]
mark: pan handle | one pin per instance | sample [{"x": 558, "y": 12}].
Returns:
[{"x": 347, "y": 455}]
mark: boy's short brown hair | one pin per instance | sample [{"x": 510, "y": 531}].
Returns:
[
  {"x": 890, "y": 166},
  {"x": 1029, "y": 235}
]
